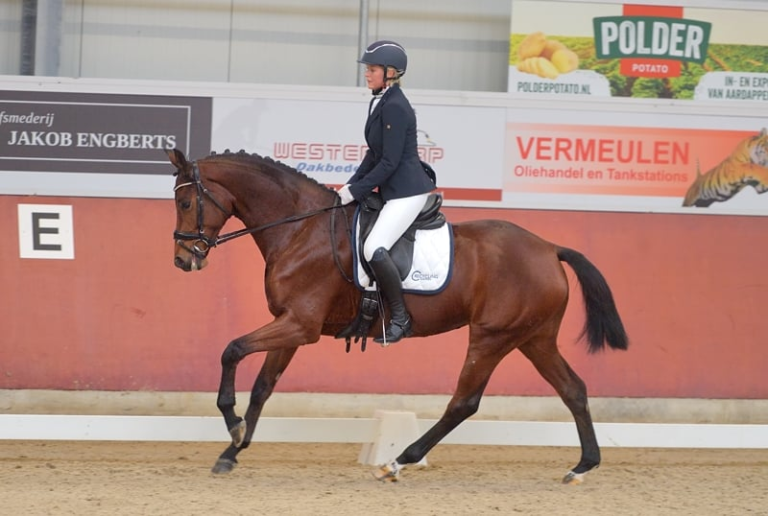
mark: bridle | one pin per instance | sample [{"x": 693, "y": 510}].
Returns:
[{"x": 202, "y": 243}]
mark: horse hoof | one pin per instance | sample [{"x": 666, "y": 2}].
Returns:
[
  {"x": 237, "y": 433},
  {"x": 387, "y": 473},
  {"x": 223, "y": 466},
  {"x": 573, "y": 479}
]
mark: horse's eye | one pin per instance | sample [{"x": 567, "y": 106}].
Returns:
[{"x": 185, "y": 204}]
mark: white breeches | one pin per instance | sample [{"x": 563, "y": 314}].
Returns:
[{"x": 395, "y": 217}]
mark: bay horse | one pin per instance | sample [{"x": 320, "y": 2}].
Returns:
[{"x": 508, "y": 285}]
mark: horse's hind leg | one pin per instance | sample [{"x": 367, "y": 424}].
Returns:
[
  {"x": 482, "y": 358},
  {"x": 274, "y": 365},
  {"x": 544, "y": 355}
]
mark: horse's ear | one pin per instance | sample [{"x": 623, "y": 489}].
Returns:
[{"x": 177, "y": 158}]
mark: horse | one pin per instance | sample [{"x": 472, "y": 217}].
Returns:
[{"x": 507, "y": 284}]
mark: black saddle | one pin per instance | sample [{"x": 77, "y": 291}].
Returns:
[{"x": 430, "y": 217}]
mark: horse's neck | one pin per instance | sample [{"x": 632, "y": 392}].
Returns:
[{"x": 270, "y": 196}]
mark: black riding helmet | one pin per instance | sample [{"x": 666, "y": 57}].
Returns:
[{"x": 386, "y": 53}]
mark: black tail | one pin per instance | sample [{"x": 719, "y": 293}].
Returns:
[{"x": 603, "y": 323}]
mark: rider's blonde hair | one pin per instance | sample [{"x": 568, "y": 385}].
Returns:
[{"x": 395, "y": 79}]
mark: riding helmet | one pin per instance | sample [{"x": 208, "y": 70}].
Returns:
[{"x": 386, "y": 53}]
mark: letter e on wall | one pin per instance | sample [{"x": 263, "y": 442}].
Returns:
[{"x": 46, "y": 231}]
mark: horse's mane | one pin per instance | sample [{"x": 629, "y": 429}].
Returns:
[{"x": 259, "y": 162}]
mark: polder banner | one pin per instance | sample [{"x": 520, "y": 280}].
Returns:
[{"x": 640, "y": 51}]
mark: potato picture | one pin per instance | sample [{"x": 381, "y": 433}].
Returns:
[
  {"x": 565, "y": 60},
  {"x": 550, "y": 47},
  {"x": 539, "y": 66},
  {"x": 532, "y": 45},
  {"x": 547, "y": 58}
]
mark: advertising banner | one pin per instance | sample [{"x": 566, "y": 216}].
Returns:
[
  {"x": 73, "y": 132},
  {"x": 642, "y": 51},
  {"x": 661, "y": 163},
  {"x": 324, "y": 140},
  {"x": 601, "y": 155},
  {"x": 112, "y": 145}
]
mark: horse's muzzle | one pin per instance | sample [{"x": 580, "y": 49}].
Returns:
[
  {"x": 191, "y": 263},
  {"x": 182, "y": 264}
]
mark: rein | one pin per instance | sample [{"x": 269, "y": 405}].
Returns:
[
  {"x": 201, "y": 251},
  {"x": 293, "y": 218}
]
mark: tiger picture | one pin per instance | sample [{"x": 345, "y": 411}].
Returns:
[{"x": 747, "y": 165}]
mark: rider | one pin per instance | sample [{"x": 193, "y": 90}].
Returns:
[{"x": 391, "y": 164}]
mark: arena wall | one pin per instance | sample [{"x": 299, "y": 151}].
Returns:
[{"x": 119, "y": 317}]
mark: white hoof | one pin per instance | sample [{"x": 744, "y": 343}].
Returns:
[
  {"x": 388, "y": 472},
  {"x": 573, "y": 479}
]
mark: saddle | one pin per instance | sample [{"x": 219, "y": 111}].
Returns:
[{"x": 430, "y": 217}]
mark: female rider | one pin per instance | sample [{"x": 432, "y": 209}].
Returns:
[{"x": 392, "y": 165}]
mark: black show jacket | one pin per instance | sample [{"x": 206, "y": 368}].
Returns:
[{"x": 392, "y": 160}]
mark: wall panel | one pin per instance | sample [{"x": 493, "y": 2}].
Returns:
[
  {"x": 10, "y": 36},
  {"x": 453, "y": 45},
  {"x": 121, "y": 317}
]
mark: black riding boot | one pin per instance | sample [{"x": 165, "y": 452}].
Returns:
[{"x": 388, "y": 278}]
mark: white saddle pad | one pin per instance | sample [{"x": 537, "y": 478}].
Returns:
[{"x": 432, "y": 261}]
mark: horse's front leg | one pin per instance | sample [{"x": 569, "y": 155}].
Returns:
[
  {"x": 274, "y": 365},
  {"x": 284, "y": 333}
]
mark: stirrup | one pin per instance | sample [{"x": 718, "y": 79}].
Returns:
[{"x": 395, "y": 332}]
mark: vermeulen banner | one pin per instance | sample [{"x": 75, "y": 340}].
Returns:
[{"x": 641, "y": 51}]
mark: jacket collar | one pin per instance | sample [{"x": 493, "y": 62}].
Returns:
[{"x": 384, "y": 96}]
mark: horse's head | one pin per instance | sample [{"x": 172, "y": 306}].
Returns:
[{"x": 201, "y": 212}]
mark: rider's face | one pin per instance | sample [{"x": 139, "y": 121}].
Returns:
[{"x": 374, "y": 76}]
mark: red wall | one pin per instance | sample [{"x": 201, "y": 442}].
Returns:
[{"x": 121, "y": 317}]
